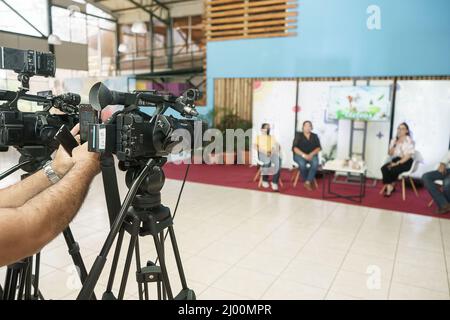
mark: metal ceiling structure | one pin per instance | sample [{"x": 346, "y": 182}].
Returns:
[
  {"x": 158, "y": 8},
  {"x": 158, "y": 14}
]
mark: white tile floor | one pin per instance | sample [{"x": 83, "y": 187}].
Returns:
[{"x": 242, "y": 244}]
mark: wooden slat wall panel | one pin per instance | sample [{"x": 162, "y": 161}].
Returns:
[
  {"x": 233, "y": 96},
  {"x": 247, "y": 19}
]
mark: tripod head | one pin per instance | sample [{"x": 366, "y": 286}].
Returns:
[
  {"x": 148, "y": 195},
  {"x": 146, "y": 204}
]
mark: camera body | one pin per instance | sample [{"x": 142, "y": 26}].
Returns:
[
  {"x": 137, "y": 135},
  {"x": 21, "y": 129},
  {"x": 133, "y": 135},
  {"x": 29, "y": 62}
]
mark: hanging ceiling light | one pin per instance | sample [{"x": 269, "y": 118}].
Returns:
[
  {"x": 123, "y": 48},
  {"x": 54, "y": 39},
  {"x": 139, "y": 27}
]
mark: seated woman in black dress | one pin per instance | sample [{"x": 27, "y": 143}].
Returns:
[{"x": 402, "y": 152}]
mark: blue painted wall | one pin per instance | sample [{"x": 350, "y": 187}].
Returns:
[{"x": 333, "y": 40}]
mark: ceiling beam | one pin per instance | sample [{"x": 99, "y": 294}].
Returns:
[
  {"x": 97, "y": 4},
  {"x": 23, "y": 18},
  {"x": 148, "y": 7},
  {"x": 168, "y": 3},
  {"x": 161, "y": 4},
  {"x": 150, "y": 12}
]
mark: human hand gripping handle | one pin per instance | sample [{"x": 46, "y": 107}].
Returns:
[
  {"x": 66, "y": 139},
  {"x": 79, "y": 153},
  {"x": 82, "y": 157},
  {"x": 63, "y": 161}
]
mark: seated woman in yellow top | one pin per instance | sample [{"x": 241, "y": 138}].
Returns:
[{"x": 268, "y": 153}]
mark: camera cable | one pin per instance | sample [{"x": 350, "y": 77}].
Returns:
[{"x": 178, "y": 201}]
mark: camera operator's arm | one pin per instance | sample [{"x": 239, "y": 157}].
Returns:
[
  {"x": 16, "y": 195},
  {"x": 25, "y": 230}
]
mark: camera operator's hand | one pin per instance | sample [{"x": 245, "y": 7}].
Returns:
[
  {"x": 63, "y": 162},
  {"x": 89, "y": 160}
]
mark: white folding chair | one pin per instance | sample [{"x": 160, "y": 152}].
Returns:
[
  {"x": 417, "y": 158},
  {"x": 258, "y": 176},
  {"x": 407, "y": 175},
  {"x": 296, "y": 173}
]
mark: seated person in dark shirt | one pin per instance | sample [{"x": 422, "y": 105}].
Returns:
[
  {"x": 306, "y": 148},
  {"x": 442, "y": 198}
]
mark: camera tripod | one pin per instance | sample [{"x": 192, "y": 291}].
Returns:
[
  {"x": 20, "y": 279},
  {"x": 141, "y": 214}
]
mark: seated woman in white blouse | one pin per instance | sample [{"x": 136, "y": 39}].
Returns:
[{"x": 402, "y": 151}]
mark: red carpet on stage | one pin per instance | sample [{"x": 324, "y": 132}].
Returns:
[{"x": 241, "y": 176}]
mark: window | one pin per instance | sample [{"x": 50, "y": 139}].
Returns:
[
  {"x": 35, "y": 12},
  {"x": 90, "y": 9},
  {"x": 101, "y": 46},
  {"x": 69, "y": 25}
]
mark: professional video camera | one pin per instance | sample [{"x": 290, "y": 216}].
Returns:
[
  {"x": 32, "y": 133},
  {"x": 132, "y": 134},
  {"x": 28, "y": 62},
  {"x": 21, "y": 129},
  {"x": 142, "y": 143}
]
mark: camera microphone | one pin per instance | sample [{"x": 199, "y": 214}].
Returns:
[
  {"x": 184, "y": 109},
  {"x": 67, "y": 102},
  {"x": 70, "y": 98},
  {"x": 100, "y": 97}
]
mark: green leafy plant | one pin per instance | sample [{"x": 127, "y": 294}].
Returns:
[
  {"x": 207, "y": 117},
  {"x": 230, "y": 120}
]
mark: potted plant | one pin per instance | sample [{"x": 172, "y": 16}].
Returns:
[{"x": 230, "y": 120}]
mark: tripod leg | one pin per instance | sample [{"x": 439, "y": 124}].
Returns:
[
  {"x": 162, "y": 262},
  {"x": 74, "y": 251},
  {"x": 112, "y": 274},
  {"x": 13, "y": 284},
  {"x": 131, "y": 246},
  {"x": 28, "y": 279},
  {"x": 159, "y": 290},
  {"x": 161, "y": 239},
  {"x": 36, "y": 293},
  {"x": 176, "y": 252},
  {"x": 138, "y": 270},
  {"x": 7, "y": 283},
  {"x": 22, "y": 280}
]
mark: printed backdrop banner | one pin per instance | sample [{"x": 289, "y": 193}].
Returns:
[
  {"x": 274, "y": 103},
  {"x": 377, "y": 139},
  {"x": 313, "y": 97}
]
